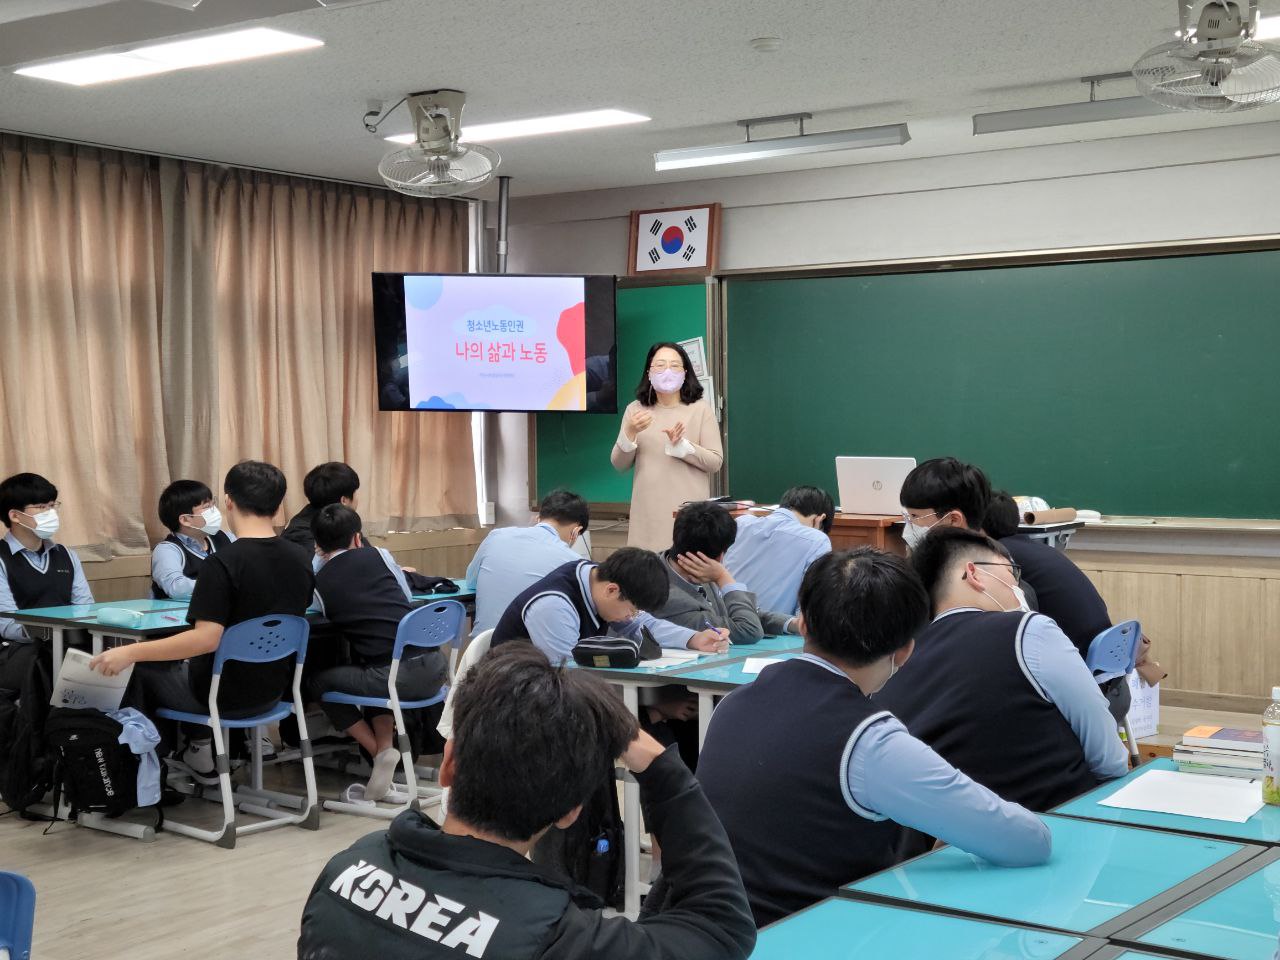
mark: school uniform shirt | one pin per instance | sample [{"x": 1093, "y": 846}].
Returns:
[
  {"x": 176, "y": 561},
  {"x": 52, "y": 576},
  {"x": 253, "y": 577},
  {"x": 771, "y": 555},
  {"x": 1006, "y": 698},
  {"x": 558, "y": 611},
  {"x": 1062, "y": 590},
  {"x": 365, "y": 595},
  {"x": 509, "y": 561},
  {"x": 412, "y": 892},
  {"x": 814, "y": 783},
  {"x": 697, "y": 606}
]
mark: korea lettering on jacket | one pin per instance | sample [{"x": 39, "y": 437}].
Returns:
[{"x": 406, "y": 906}]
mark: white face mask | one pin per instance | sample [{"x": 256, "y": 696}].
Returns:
[
  {"x": 212, "y": 518},
  {"x": 913, "y": 533},
  {"x": 893, "y": 669},
  {"x": 1017, "y": 593},
  {"x": 46, "y": 524}
]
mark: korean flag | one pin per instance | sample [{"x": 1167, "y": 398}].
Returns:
[{"x": 672, "y": 239}]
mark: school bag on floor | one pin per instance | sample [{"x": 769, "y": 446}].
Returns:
[
  {"x": 26, "y": 769},
  {"x": 97, "y": 773}
]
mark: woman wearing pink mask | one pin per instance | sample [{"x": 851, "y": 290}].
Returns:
[{"x": 672, "y": 439}]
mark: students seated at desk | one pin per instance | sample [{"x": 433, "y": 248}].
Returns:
[
  {"x": 584, "y": 599},
  {"x": 195, "y": 531},
  {"x": 34, "y": 571},
  {"x": 512, "y": 559},
  {"x": 257, "y": 575},
  {"x": 943, "y": 492},
  {"x": 332, "y": 482},
  {"x": 771, "y": 553},
  {"x": 703, "y": 593},
  {"x": 813, "y": 781},
  {"x": 999, "y": 691},
  {"x": 364, "y": 594},
  {"x": 529, "y": 742}
]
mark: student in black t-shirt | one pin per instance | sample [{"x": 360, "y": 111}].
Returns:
[
  {"x": 258, "y": 575},
  {"x": 364, "y": 594}
]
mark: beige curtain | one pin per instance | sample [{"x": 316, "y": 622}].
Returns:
[
  {"x": 163, "y": 319},
  {"x": 79, "y": 336}
]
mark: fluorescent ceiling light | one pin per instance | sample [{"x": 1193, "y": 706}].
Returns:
[
  {"x": 562, "y": 123},
  {"x": 1088, "y": 111},
  {"x": 174, "y": 55},
  {"x": 890, "y": 135}
]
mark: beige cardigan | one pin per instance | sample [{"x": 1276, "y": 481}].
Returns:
[{"x": 663, "y": 480}]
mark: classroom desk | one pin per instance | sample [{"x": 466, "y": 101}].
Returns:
[
  {"x": 850, "y": 530},
  {"x": 77, "y": 616},
  {"x": 466, "y": 594},
  {"x": 1055, "y": 535},
  {"x": 1262, "y": 828},
  {"x": 709, "y": 680},
  {"x": 1235, "y": 917},
  {"x": 1100, "y": 879},
  {"x": 851, "y": 930}
]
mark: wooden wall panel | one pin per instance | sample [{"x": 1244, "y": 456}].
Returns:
[{"x": 1221, "y": 649}]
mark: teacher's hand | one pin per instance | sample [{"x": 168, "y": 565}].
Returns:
[
  {"x": 675, "y": 434},
  {"x": 639, "y": 420}
]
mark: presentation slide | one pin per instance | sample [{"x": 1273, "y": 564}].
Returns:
[{"x": 496, "y": 343}]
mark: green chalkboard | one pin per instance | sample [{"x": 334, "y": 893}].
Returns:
[
  {"x": 573, "y": 448},
  {"x": 1138, "y": 387}
]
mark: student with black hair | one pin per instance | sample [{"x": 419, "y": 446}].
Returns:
[
  {"x": 584, "y": 599},
  {"x": 671, "y": 438},
  {"x": 806, "y": 739},
  {"x": 943, "y": 492},
  {"x": 34, "y": 571},
  {"x": 511, "y": 559},
  {"x": 364, "y": 594},
  {"x": 257, "y": 575},
  {"x": 529, "y": 744},
  {"x": 771, "y": 553},
  {"x": 703, "y": 593},
  {"x": 332, "y": 482},
  {"x": 998, "y": 691},
  {"x": 194, "y": 521}
]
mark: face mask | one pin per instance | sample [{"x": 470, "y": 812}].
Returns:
[
  {"x": 46, "y": 526},
  {"x": 913, "y": 533},
  {"x": 212, "y": 518},
  {"x": 893, "y": 669},
  {"x": 667, "y": 381},
  {"x": 1017, "y": 593}
]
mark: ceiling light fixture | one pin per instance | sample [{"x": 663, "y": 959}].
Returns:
[
  {"x": 172, "y": 55},
  {"x": 536, "y": 126},
  {"x": 681, "y": 158},
  {"x": 1088, "y": 111}
]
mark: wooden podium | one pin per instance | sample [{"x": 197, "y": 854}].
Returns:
[{"x": 868, "y": 530}]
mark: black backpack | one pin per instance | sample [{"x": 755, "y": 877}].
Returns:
[
  {"x": 98, "y": 773},
  {"x": 26, "y": 769},
  {"x": 590, "y": 852}
]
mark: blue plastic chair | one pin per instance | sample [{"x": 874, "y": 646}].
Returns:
[
  {"x": 17, "y": 914},
  {"x": 427, "y": 628},
  {"x": 1113, "y": 654},
  {"x": 264, "y": 640}
]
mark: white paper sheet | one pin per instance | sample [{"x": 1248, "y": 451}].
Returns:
[
  {"x": 1190, "y": 795},
  {"x": 79, "y": 685},
  {"x": 756, "y": 664}
]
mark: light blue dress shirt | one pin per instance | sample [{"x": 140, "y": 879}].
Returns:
[
  {"x": 167, "y": 562},
  {"x": 554, "y": 625},
  {"x": 1052, "y": 665},
  {"x": 318, "y": 561},
  {"x": 771, "y": 554},
  {"x": 891, "y": 775},
  {"x": 80, "y": 592},
  {"x": 511, "y": 560}
]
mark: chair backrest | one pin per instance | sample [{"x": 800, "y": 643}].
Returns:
[
  {"x": 474, "y": 652},
  {"x": 433, "y": 625},
  {"x": 263, "y": 640},
  {"x": 1114, "y": 652},
  {"x": 17, "y": 914}
]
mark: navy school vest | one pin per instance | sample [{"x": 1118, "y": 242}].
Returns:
[
  {"x": 566, "y": 581},
  {"x": 191, "y": 562},
  {"x": 30, "y": 587}
]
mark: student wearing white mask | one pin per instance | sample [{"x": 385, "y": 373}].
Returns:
[
  {"x": 34, "y": 571},
  {"x": 998, "y": 691},
  {"x": 943, "y": 492},
  {"x": 194, "y": 521}
]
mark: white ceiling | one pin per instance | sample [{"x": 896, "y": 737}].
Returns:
[{"x": 686, "y": 64}]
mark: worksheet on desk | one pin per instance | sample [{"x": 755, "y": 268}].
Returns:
[{"x": 1190, "y": 795}]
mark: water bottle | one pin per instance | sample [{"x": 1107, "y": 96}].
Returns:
[{"x": 1271, "y": 750}]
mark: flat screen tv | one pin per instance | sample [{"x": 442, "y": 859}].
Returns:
[{"x": 495, "y": 342}]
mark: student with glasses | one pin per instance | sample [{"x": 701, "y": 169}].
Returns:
[
  {"x": 998, "y": 691},
  {"x": 672, "y": 441}
]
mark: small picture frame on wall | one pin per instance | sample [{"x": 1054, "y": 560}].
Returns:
[
  {"x": 697, "y": 351},
  {"x": 675, "y": 241}
]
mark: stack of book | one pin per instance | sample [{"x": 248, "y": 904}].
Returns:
[{"x": 1220, "y": 752}]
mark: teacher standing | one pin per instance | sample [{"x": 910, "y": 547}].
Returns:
[{"x": 671, "y": 438}]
